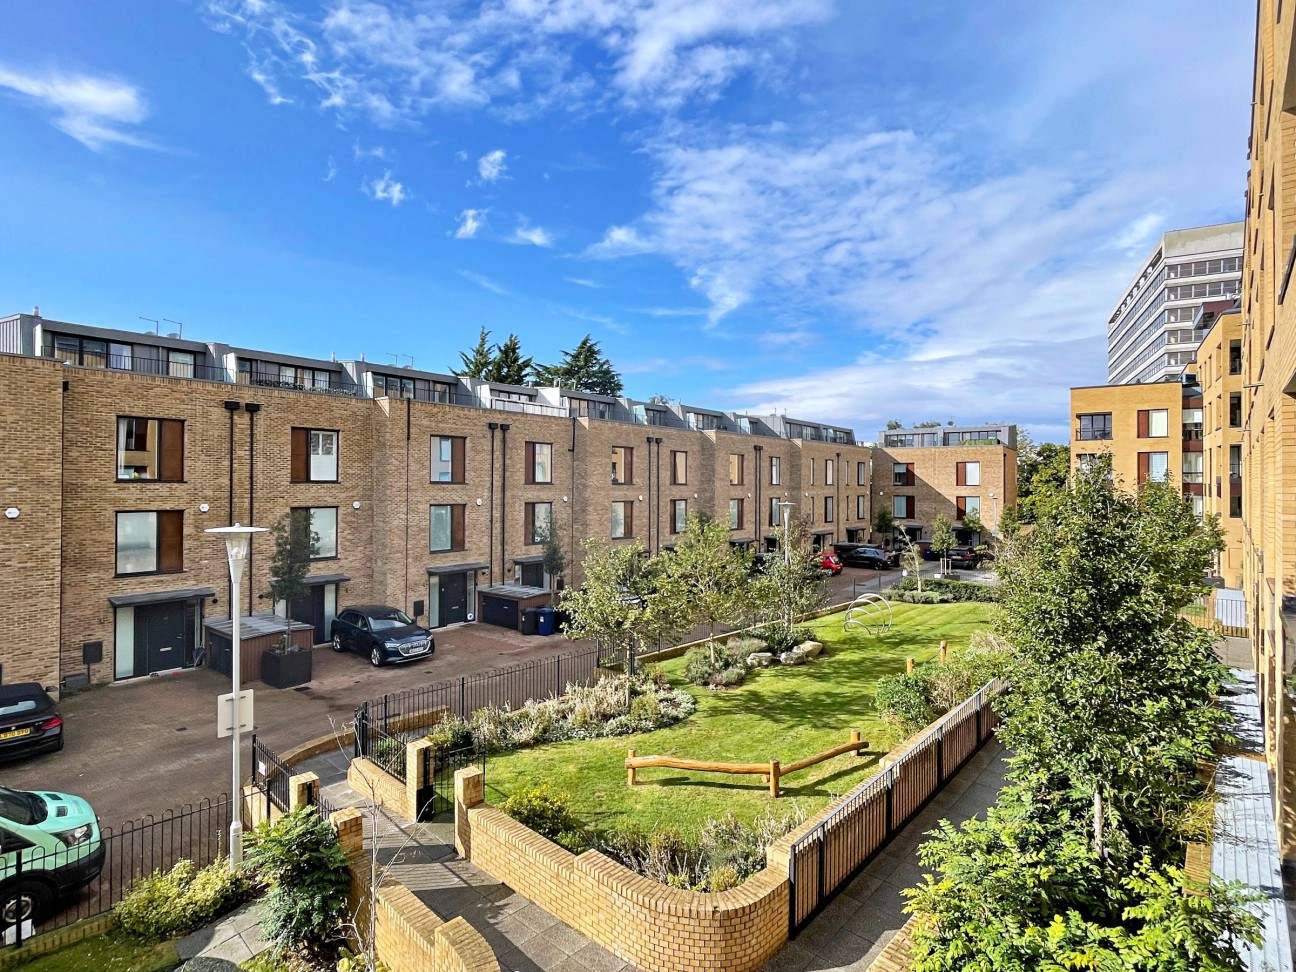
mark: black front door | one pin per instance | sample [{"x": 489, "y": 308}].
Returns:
[
  {"x": 532, "y": 575},
  {"x": 454, "y": 598},
  {"x": 310, "y": 610},
  {"x": 164, "y": 636}
]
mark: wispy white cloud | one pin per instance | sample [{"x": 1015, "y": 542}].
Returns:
[
  {"x": 676, "y": 366},
  {"x": 672, "y": 311},
  {"x": 470, "y": 221},
  {"x": 492, "y": 165},
  {"x": 533, "y": 235},
  {"x": 96, "y": 110},
  {"x": 264, "y": 76},
  {"x": 620, "y": 241},
  {"x": 486, "y": 283},
  {"x": 332, "y": 172},
  {"x": 386, "y": 189},
  {"x": 361, "y": 153},
  {"x": 582, "y": 282}
]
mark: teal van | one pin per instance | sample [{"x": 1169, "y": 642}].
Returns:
[{"x": 50, "y": 846}]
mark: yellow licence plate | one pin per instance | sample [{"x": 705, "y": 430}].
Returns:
[{"x": 14, "y": 733}]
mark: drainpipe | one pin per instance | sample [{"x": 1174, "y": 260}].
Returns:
[
  {"x": 251, "y": 408},
  {"x": 409, "y": 423},
  {"x": 756, "y": 508},
  {"x": 571, "y": 465},
  {"x": 503, "y": 531},
  {"x": 651, "y": 514},
  {"x": 490, "y": 519},
  {"x": 837, "y": 512},
  {"x": 658, "y": 441},
  {"x": 231, "y": 408}
]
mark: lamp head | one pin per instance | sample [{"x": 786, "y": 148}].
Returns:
[{"x": 238, "y": 540}]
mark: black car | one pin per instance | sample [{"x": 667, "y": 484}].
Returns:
[
  {"x": 385, "y": 634},
  {"x": 963, "y": 557},
  {"x": 29, "y": 721},
  {"x": 874, "y": 557}
]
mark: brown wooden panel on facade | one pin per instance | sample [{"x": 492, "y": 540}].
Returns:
[
  {"x": 170, "y": 540},
  {"x": 458, "y": 448},
  {"x": 300, "y": 461},
  {"x": 172, "y": 450},
  {"x": 457, "y": 527}
]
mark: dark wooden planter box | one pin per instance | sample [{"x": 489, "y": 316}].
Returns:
[{"x": 285, "y": 671}]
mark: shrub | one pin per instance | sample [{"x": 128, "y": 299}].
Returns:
[
  {"x": 450, "y": 734},
  {"x": 952, "y": 589},
  {"x": 389, "y": 753},
  {"x": 184, "y": 899},
  {"x": 778, "y": 639},
  {"x": 724, "y": 671},
  {"x": 743, "y": 645},
  {"x": 905, "y": 701},
  {"x": 299, "y": 859},
  {"x": 545, "y": 811}
]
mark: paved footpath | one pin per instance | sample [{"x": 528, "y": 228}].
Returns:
[{"x": 850, "y": 932}]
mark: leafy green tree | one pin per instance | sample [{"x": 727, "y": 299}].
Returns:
[
  {"x": 555, "y": 561},
  {"x": 972, "y": 521},
  {"x": 509, "y": 367},
  {"x": 929, "y": 424},
  {"x": 618, "y": 606},
  {"x": 707, "y": 575},
  {"x": 659, "y": 400},
  {"x": 1009, "y": 524},
  {"x": 295, "y": 543},
  {"x": 478, "y": 360},
  {"x": 582, "y": 369},
  {"x": 942, "y": 535},
  {"x": 884, "y": 523},
  {"x": 792, "y": 583},
  {"x": 1042, "y": 473},
  {"x": 893, "y": 424}
]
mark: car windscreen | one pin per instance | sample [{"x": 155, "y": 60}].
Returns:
[
  {"x": 389, "y": 619},
  {"x": 12, "y": 707},
  {"x": 21, "y": 807}
]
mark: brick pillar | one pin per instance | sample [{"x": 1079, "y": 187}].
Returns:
[
  {"x": 299, "y": 789},
  {"x": 470, "y": 791},
  {"x": 415, "y": 778},
  {"x": 349, "y": 824}
]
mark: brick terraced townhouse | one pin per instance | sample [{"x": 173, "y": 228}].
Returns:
[{"x": 424, "y": 489}]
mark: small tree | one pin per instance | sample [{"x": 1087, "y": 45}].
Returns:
[
  {"x": 295, "y": 543},
  {"x": 555, "y": 563},
  {"x": 942, "y": 538},
  {"x": 911, "y": 558},
  {"x": 884, "y": 523},
  {"x": 707, "y": 575},
  {"x": 792, "y": 583},
  {"x": 477, "y": 361},
  {"x": 972, "y": 521}
]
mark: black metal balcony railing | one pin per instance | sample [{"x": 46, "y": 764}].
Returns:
[
  {"x": 155, "y": 367},
  {"x": 264, "y": 379},
  {"x": 1093, "y": 435},
  {"x": 527, "y": 408}
]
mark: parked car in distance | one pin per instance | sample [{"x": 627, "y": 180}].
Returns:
[
  {"x": 963, "y": 557},
  {"x": 29, "y": 721},
  {"x": 828, "y": 562},
  {"x": 873, "y": 557},
  {"x": 385, "y": 634},
  {"x": 50, "y": 846}
]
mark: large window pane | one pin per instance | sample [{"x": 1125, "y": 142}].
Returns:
[
  {"x": 323, "y": 456},
  {"x": 1158, "y": 423},
  {"x": 543, "y": 462},
  {"x": 323, "y": 523},
  {"x": 972, "y": 474},
  {"x": 440, "y": 528},
  {"x": 1158, "y": 466},
  {"x": 618, "y": 521},
  {"x": 442, "y": 459},
  {"x": 137, "y": 538}
]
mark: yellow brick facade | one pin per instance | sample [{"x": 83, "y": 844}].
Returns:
[
  {"x": 1122, "y": 403},
  {"x": 1268, "y": 328},
  {"x": 1219, "y": 371},
  {"x": 935, "y": 488}
]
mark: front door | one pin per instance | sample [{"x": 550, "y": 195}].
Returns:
[
  {"x": 164, "y": 636},
  {"x": 532, "y": 575},
  {"x": 454, "y": 598},
  {"x": 310, "y": 610}
]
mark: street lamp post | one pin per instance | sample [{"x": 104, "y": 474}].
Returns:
[{"x": 238, "y": 540}]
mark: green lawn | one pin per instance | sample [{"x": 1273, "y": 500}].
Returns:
[
  {"x": 112, "y": 952},
  {"x": 780, "y": 713}
]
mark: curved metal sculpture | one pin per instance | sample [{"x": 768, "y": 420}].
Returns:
[{"x": 870, "y": 611}]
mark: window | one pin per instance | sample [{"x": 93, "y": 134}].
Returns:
[
  {"x": 448, "y": 458},
  {"x": 1097, "y": 425},
  {"x": 1192, "y": 424},
  {"x": 622, "y": 519},
  {"x": 622, "y": 465},
  {"x": 775, "y": 515},
  {"x": 735, "y": 514},
  {"x": 150, "y": 542},
  {"x": 1198, "y": 506},
  {"x": 1192, "y": 467},
  {"x": 539, "y": 520},
  {"x": 1235, "y": 462},
  {"x": 813, "y": 466},
  {"x": 828, "y": 509},
  {"x": 967, "y": 474},
  {"x": 861, "y": 511},
  {"x": 180, "y": 364},
  {"x": 446, "y": 527},
  {"x": 314, "y": 456},
  {"x": 1235, "y": 410},
  {"x": 679, "y": 468},
  {"x": 1153, "y": 423},
  {"x": 963, "y": 505},
  {"x": 389, "y": 386},
  {"x": 151, "y": 449},
  {"x": 701, "y": 422},
  {"x": 1235, "y": 506},
  {"x": 539, "y": 462},
  {"x": 829, "y": 467},
  {"x": 1153, "y": 467},
  {"x": 902, "y": 507},
  {"x": 735, "y": 469},
  {"x": 1235, "y": 357},
  {"x": 902, "y": 474},
  {"x": 776, "y": 471},
  {"x": 78, "y": 351},
  {"x": 323, "y": 522},
  {"x": 861, "y": 473},
  {"x": 679, "y": 515}
]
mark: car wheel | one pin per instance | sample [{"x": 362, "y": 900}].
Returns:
[
  {"x": 377, "y": 657},
  {"x": 25, "y": 901},
  {"x": 337, "y": 643}
]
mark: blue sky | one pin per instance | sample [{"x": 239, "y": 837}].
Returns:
[{"x": 848, "y": 210}]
